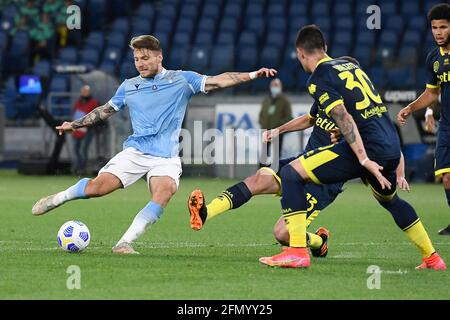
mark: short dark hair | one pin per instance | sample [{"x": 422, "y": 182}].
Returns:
[
  {"x": 350, "y": 59},
  {"x": 145, "y": 41},
  {"x": 440, "y": 11},
  {"x": 310, "y": 38}
]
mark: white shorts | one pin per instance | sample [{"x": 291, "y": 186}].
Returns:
[{"x": 130, "y": 165}]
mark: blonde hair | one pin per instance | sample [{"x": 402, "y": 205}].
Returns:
[{"x": 145, "y": 41}]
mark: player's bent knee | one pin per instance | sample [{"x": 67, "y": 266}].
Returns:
[
  {"x": 288, "y": 173},
  {"x": 262, "y": 183},
  {"x": 280, "y": 232},
  {"x": 101, "y": 186},
  {"x": 162, "y": 197},
  {"x": 252, "y": 184},
  {"x": 94, "y": 189},
  {"x": 388, "y": 203}
]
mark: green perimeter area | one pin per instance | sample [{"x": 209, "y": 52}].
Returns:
[{"x": 221, "y": 260}]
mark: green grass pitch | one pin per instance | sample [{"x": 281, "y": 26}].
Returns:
[{"x": 221, "y": 260}]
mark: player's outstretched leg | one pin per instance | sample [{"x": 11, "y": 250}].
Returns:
[
  {"x": 262, "y": 182},
  {"x": 48, "y": 203},
  {"x": 103, "y": 184}
]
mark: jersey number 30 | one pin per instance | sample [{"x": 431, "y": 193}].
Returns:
[{"x": 364, "y": 84}]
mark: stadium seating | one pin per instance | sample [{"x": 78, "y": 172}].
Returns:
[
  {"x": 42, "y": 69},
  {"x": 199, "y": 58},
  {"x": 204, "y": 38},
  {"x": 95, "y": 40},
  {"x": 90, "y": 57},
  {"x": 3, "y": 41},
  {"x": 68, "y": 55},
  {"x": 218, "y": 35},
  {"x": 60, "y": 106}
]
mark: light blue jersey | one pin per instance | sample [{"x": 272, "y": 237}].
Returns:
[{"x": 157, "y": 106}]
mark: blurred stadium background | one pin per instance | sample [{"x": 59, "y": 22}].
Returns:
[{"x": 207, "y": 36}]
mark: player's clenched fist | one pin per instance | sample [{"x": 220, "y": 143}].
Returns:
[{"x": 270, "y": 134}]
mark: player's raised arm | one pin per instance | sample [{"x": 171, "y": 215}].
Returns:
[
  {"x": 429, "y": 97},
  {"x": 350, "y": 131},
  {"x": 300, "y": 123},
  {"x": 100, "y": 113},
  {"x": 230, "y": 79}
]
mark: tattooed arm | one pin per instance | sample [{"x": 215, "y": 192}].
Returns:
[
  {"x": 98, "y": 114},
  {"x": 350, "y": 131},
  {"x": 230, "y": 79}
]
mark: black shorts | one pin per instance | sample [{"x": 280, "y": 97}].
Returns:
[
  {"x": 337, "y": 164},
  {"x": 318, "y": 196},
  {"x": 442, "y": 153}
]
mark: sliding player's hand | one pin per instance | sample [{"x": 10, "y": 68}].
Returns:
[
  {"x": 270, "y": 134},
  {"x": 403, "y": 115},
  {"x": 375, "y": 169},
  {"x": 66, "y": 126},
  {"x": 430, "y": 124},
  {"x": 266, "y": 73},
  {"x": 403, "y": 184},
  {"x": 335, "y": 135}
]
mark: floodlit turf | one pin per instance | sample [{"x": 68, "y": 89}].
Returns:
[{"x": 221, "y": 260}]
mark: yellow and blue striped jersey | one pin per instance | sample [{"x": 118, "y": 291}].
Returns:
[
  {"x": 338, "y": 81},
  {"x": 320, "y": 136},
  {"x": 437, "y": 70}
]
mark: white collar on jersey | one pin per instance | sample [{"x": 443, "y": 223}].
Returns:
[{"x": 156, "y": 76}]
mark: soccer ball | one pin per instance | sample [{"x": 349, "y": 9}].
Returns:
[{"x": 73, "y": 236}]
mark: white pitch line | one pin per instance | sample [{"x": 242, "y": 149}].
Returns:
[{"x": 172, "y": 245}]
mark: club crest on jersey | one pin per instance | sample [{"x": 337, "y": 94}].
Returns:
[
  {"x": 154, "y": 87},
  {"x": 436, "y": 66},
  {"x": 446, "y": 62}
]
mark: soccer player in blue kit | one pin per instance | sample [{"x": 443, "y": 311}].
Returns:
[
  {"x": 157, "y": 101},
  {"x": 371, "y": 151},
  {"x": 437, "y": 68}
]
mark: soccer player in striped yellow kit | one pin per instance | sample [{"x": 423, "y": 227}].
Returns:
[
  {"x": 437, "y": 68},
  {"x": 371, "y": 151}
]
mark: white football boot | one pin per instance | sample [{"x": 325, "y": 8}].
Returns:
[
  {"x": 124, "y": 248},
  {"x": 44, "y": 205}
]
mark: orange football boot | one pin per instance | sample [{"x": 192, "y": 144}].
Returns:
[
  {"x": 434, "y": 262},
  {"x": 323, "y": 250},
  {"x": 289, "y": 258},
  {"x": 197, "y": 209}
]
